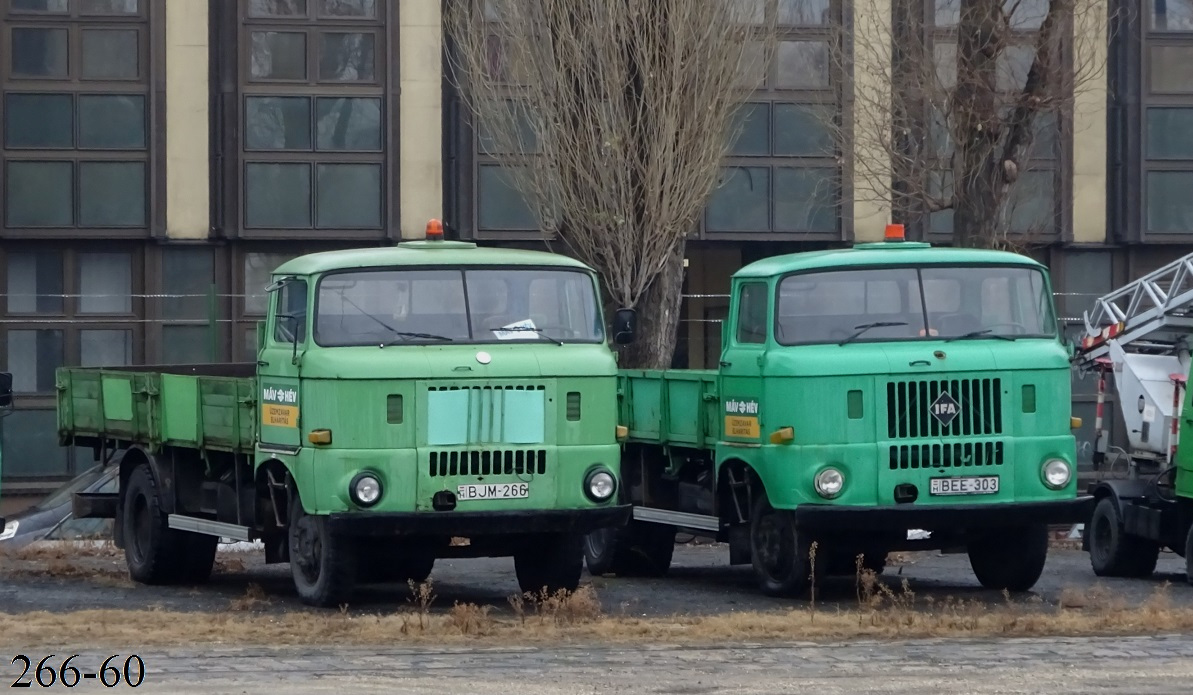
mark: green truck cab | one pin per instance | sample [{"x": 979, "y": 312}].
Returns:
[
  {"x": 428, "y": 400},
  {"x": 888, "y": 396}
]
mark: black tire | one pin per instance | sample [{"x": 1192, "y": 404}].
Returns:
[
  {"x": 780, "y": 552},
  {"x": 553, "y": 563},
  {"x": 638, "y": 549},
  {"x": 1189, "y": 555},
  {"x": 198, "y": 557},
  {"x": 152, "y": 550},
  {"x": 1011, "y": 559},
  {"x": 322, "y": 566},
  {"x": 1112, "y": 551}
]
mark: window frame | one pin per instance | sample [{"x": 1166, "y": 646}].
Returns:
[{"x": 236, "y": 27}]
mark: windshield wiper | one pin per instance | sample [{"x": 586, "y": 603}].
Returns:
[
  {"x": 528, "y": 329},
  {"x": 980, "y": 334},
  {"x": 405, "y": 334},
  {"x": 867, "y": 326}
]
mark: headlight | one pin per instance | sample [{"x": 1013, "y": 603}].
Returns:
[
  {"x": 1056, "y": 473},
  {"x": 829, "y": 483},
  {"x": 365, "y": 489},
  {"x": 600, "y": 485}
]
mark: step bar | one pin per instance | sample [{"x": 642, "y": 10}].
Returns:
[
  {"x": 208, "y": 527},
  {"x": 684, "y": 519}
]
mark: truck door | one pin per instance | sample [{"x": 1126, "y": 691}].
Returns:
[
  {"x": 286, "y": 333},
  {"x": 742, "y": 354}
]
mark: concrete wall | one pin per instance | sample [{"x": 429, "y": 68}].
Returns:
[
  {"x": 421, "y": 115},
  {"x": 1089, "y": 126},
  {"x": 188, "y": 152},
  {"x": 871, "y": 87}
]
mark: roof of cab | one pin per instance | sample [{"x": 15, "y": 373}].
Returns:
[
  {"x": 422, "y": 253},
  {"x": 881, "y": 254}
]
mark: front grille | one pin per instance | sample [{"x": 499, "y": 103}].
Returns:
[
  {"x": 909, "y": 405},
  {"x": 958, "y": 455},
  {"x": 509, "y": 462}
]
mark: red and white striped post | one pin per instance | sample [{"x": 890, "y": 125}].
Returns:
[
  {"x": 1099, "y": 456},
  {"x": 1178, "y": 380}
]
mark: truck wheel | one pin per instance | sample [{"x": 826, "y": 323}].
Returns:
[
  {"x": 198, "y": 557},
  {"x": 639, "y": 549},
  {"x": 781, "y": 553},
  {"x": 1112, "y": 551},
  {"x": 152, "y": 550},
  {"x": 1189, "y": 555},
  {"x": 323, "y": 566},
  {"x": 1011, "y": 559},
  {"x": 553, "y": 564}
]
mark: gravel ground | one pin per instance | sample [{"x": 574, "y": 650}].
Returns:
[{"x": 701, "y": 582}]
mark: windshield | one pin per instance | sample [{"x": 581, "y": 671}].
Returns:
[
  {"x": 380, "y": 307},
  {"x": 913, "y": 304}
]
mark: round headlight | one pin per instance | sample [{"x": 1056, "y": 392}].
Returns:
[
  {"x": 365, "y": 490},
  {"x": 829, "y": 483},
  {"x": 600, "y": 485},
  {"x": 1056, "y": 473}
]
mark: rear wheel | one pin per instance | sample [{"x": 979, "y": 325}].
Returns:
[
  {"x": 781, "y": 553},
  {"x": 153, "y": 551},
  {"x": 553, "y": 564},
  {"x": 637, "y": 549},
  {"x": 1011, "y": 559},
  {"x": 1189, "y": 555},
  {"x": 1112, "y": 551},
  {"x": 199, "y": 557},
  {"x": 323, "y": 566}
]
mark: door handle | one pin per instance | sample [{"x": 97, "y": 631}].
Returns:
[
  {"x": 262, "y": 363},
  {"x": 464, "y": 368},
  {"x": 726, "y": 364},
  {"x": 919, "y": 363}
]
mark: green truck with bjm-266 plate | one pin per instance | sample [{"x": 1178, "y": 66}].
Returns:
[
  {"x": 427, "y": 400},
  {"x": 889, "y": 396}
]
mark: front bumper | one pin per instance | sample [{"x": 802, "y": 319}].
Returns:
[
  {"x": 467, "y": 524},
  {"x": 943, "y": 517}
]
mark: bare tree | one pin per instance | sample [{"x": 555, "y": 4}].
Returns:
[
  {"x": 612, "y": 118},
  {"x": 950, "y": 103}
]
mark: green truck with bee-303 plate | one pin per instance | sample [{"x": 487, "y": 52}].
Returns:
[
  {"x": 889, "y": 396},
  {"x": 428, "y": 400}
]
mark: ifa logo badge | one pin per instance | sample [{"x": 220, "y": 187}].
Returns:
[{"x": 945, "y": 409}]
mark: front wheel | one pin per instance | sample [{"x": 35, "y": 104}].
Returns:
[
  {"x": 323, "y": 566},
  {"x": 1011, "y": 559},
  {"x": 553, "y": 564},
  {"x": 781, "y": 552}
]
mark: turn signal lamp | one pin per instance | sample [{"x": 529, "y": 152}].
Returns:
[
  {"x": 1075, "y": 423},
  {"x": 435, "y": 230},
  {"x": 782, "y": 435},
  {"x": 622, "y": 433},
  {"x": 319, "y": 437},
  {"x": 894, "y": 232}
]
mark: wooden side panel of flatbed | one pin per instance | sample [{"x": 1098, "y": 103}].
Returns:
[
  {"x": 189, "y": 406},
  {"x": 676, "y": 407}
]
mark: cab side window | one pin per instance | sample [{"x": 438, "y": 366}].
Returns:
[
  {"x": 751, "y": 313},
  {"x": 290, "y": 322}
]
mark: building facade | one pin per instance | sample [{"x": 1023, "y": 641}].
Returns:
[{"x": 158, "y": 159}]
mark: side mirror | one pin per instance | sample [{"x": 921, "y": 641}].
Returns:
[
  {"x": 5, "y": 393},
  {"x": 625, "y": 325}
]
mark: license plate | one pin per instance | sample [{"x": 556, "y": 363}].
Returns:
[
  {"x": 500, "y": 491},
  {"x": 975, "y": 485}
]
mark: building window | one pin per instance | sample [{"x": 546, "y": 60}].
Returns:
[
  {"x": 1032, "y": 208},
  {"x": 75, "y": 145},
  {"x": 315, "y": 116},
  {"x": 59, "y": 306},
  {"x": 1166, "y": 147},
  {"x": 782, "y": 175}
]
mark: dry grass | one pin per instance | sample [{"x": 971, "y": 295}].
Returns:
[{"x": 881, "y": 612}]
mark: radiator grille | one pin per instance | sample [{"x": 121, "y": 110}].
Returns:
[
  {"x": 909, "y": 408},
  {"x": 958, "y": 455},
  {"x": 508, "y": 462}
]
